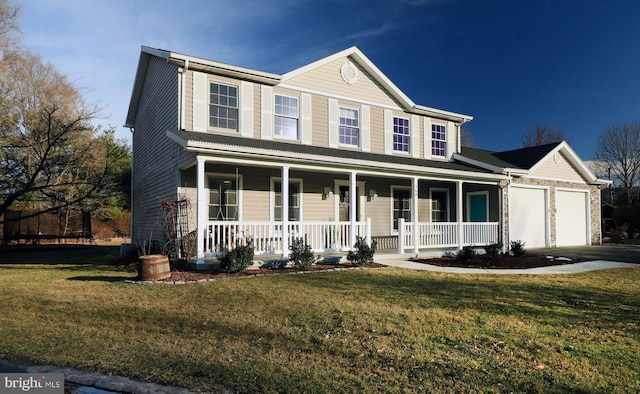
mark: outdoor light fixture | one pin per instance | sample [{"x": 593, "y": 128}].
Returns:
[
  {"x": 327, "y": 193},
  {"x": 373, "y": 195}
]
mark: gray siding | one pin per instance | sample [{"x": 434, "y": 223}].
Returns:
[{"x": 154, "y": 155}]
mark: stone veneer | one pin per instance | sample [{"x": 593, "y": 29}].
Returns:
[{"x": 594, "y": 200}]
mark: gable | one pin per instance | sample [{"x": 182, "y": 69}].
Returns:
[
  {"x": 557, "y": 167},
  {"x": 328, "y": 79}
]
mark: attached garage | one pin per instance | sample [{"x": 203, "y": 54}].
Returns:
[
  {"x": 528, "y": 216},
  {"x": 572, "y": 217}
]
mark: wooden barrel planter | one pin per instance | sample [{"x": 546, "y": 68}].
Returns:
[{"x": 154, "y": 267}]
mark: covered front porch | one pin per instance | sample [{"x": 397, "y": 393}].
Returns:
[
  {"x": 269, "y": 238},
  {"x": 241, "y": 201}
]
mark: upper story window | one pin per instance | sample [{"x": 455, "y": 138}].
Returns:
[
  {"x": 401, "y": 136},
  {"x": 349, "y": 126},
  {"x": 438, "y": 140},
  {"x": 286, "y": 117},
  {"x": 223, "y": 106}
]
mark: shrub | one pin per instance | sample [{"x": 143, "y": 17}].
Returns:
[
  {"x": 517, "y": 248},
  {"x": 301, "y": 254},
  {"x": 493, "y": 250},
  {"x": 237, "y": 259},
  {"x": 619, "y": 234},
  {"x": 465, "y": 254},
  {"x": 362, "y": 253}
]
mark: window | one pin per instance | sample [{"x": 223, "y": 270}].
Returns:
[
  {"x": 223, "y": 198},
  {"x": 286, "y": 117},
  {"x": 401, "y": 136},
  {"x": 294, "y": 200},
  {"x": 439, "y": 205},
  {"x": 401, "y": 206},
  {"x": 438, "y": 140},
  {"x": 223, "y": 106},
  {"x": 349, "y": 126}
]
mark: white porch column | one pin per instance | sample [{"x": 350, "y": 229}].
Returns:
[
  {"x": 414, "y": 214},
  {"x": 201, "y": 210},
  {"x": 285, "y": 211},
  {"x": 353, "y": 206},
  {"x": 459, "y": 213}
]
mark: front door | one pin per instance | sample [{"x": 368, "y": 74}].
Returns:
[
  {"x": 478, "y": 207},
  {"x": 343, "y": 204}
]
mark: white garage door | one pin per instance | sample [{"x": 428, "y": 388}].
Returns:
[
  {"x": 528, "y": 216},
  {"x": 571, "y": 218}
]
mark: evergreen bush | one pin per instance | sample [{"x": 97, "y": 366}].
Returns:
[
  {"x": 237, "y": 259},
  {"x": 362, "y": 253},
  {"x": 301, "y": 254},
  {"x": 517, "y": 248},
  {"x": 465, "y": 254},
  {"x": 493, "y": 250}
]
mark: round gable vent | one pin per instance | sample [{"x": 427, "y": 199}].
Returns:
[{"x": 349, "y": 73}]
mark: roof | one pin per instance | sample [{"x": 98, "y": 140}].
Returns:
[
  {"x": 343, "y": 157},
  {"x": 523, "y": 161},
  {"x": 242, "y": 73}
]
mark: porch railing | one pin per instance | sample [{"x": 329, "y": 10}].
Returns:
[
  {"x": 445, "y": 234},
  {"x": 267, "y": 237}
]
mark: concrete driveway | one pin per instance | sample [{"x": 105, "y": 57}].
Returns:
[{"x": 619, "y": 253}]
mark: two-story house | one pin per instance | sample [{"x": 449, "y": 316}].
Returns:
[{"x": 331, "y": 151}]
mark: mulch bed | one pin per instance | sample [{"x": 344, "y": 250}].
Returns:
[
  {"x": 479, "y": 261},
  {"x": 498, "y": 262},
  {"x": 201, "y": 276}
]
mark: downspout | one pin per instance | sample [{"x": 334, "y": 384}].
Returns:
[
  {"x": 182, "y": 86},
  {"x": 505, "y": 247},
  {"x": 131, "y": 188}
]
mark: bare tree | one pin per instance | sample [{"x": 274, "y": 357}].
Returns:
[
  {"x": 618, "y": 149},
  {"x": 541, "y": 135},
  {"x": 466, "y": 139},
  {"x": 50, "y": 156},
  {"x": 9, "y": 27}
]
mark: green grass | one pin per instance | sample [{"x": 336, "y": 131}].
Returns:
[{"x": 385, "y": 330}]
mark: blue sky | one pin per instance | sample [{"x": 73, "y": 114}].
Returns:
[{"x": 572, "y": 65}]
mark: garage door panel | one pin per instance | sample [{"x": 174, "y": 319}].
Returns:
[
  {"x": 528, "y": 216},
  {"x": 571, "y": 218}
]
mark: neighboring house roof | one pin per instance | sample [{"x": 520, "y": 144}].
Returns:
[
  {"x": 279, "y": 150},
  {"x": 242, "y": 73},
  {"x": 522, "y": 162}
]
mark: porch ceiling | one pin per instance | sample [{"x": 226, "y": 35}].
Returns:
[{"x": 335, "y": 159}]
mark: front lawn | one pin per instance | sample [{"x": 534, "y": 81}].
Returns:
[{"x": 381, "y": 330}]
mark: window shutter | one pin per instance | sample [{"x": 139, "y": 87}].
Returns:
[
  {"x": 305, "y": 119},
  {"x": 427, "y": 138},
  {"x": 366, "y": 128},
  {"x": 266, "y": 118},
  {"x": 415, "y": 136},
  {"x": 246, "y": 120},
  {"x": 388, "y": 131},
  {"x": 451, "y": 139},
  {"x": 200, "y": 101},
  {"x": 334, "y": 118}
]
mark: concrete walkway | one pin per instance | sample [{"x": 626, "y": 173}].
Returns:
[{"x": 554, "y": 269}]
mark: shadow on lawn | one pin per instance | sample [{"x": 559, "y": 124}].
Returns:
[
  {"x": 58, "y": 254},
  {"x": 99, "y": 278},
  {"x": 549, "y": 298}
]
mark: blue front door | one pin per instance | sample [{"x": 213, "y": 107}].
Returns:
[{"x": 478, "y": 208}]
